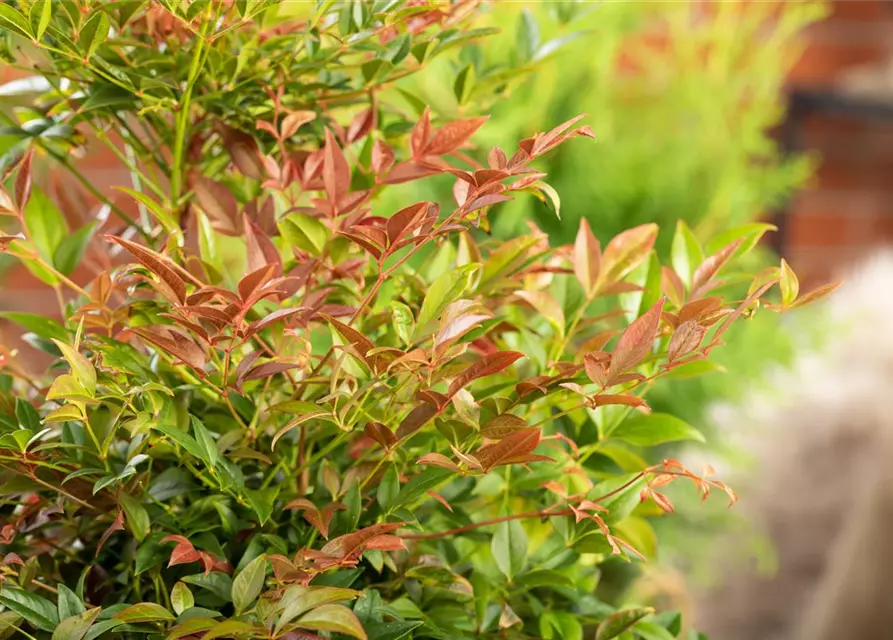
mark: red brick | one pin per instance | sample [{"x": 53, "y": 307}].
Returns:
[
  {"x": 809, "y": 229},
  {"x": 822, "y": 62},
  {"x": 865, "y": 10}
]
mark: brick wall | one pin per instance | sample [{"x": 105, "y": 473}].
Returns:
[{"x": 848, "y": 209}]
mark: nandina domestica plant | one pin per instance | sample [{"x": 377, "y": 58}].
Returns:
[{"x": 287, "y": 414}]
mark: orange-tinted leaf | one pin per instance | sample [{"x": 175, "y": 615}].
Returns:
[
  {"x": 672, "y": 287},
  {"x": 416, "y": 419},
  {"x": 255, "y": 280},
  {"x": 266, "y": 321},
  {"x": 361, "y": 343},
  {"x": 183, "y": 553},
  {"x": 23, "y": 181},
  {"x": 382, "y": 157},
  {"x": 636, "y": 341},
  {"x": 627, "y": 251},
  {"x": 354, "y": 543},
  {"x": 174, "y": 343},
  {"x": 157, "y": 264},
  {"x": 398, "y": 224},
  {"x": 408, "y": 171},
  {"x": 361, "y": 125},
  {"x": 706, "y": 271},
  {"x": 260, "y": 249},
  {"x": 438, "y": 460},
  {"x": 516, "y": 447},
  {"x": 587, "y": 257},
  {"x": 421, "y": 132},
  {"x": 441, "y": 500},
  {"x": 815, "y": 294},
  {"x": 596, "y": 368},
  {"x": 686, "y": 339},
  {"x": 622, "y": 399},
  {"x": 336, "y": 171},
  {"x": 452, "y": 136},
  {"x": 486, "y": 366},
  {"x": 266, "y": 370},
  {"x": 294, "y": 121}
]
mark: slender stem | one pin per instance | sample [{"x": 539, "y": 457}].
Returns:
[{"x": 182, "y": 121}]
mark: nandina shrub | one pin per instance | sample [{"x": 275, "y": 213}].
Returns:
[{"x": 288, "y": 414}]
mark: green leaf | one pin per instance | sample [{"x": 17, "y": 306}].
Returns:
[
  {"x": 790, "y": 285},
  {"x": 38, "y": 611},
  {"x": 299, "y": 599},
  {"x": 68, "y": 603},
  {"x": 41, "y": 12},
  {"x": 81, "y": 368},
  {"x": 551, "y": 198},
  {"x": 403, "y": 321},
  {"x": 68, "y": 254},
  {"x": 262, "y": 501},
  {"x": 45, "y": 224},
  {"x": 75, "y": 627},
  {"x": 545, "y": 578},
  {"x": 528, "y": 36},
  {"x": 376, "y": 69},
  {"x": 37, "y": 324},
  {"x": 305, "y": 232},
  {"x": 101, "y": 627},
  {"x": 652, "y": 631},
  {"x": 444, "y": 290},
  {"x": 693, "y": 369},
  {"x": 144, "y": 612},
  {"x": 164, "y": 218},
  {"x": 229, "y": 628},
  {"x": 27, "y": 415},
  {"x": 181, "y": 598},
  {"x": 504, "y": 260},
  {"x": 217, "y": 582},
  {"x": 394, "y": 630},
  {"x": 509, "y": 547},
  {"x": 419, "y": 484},
  {"x": 181, "y": 438},
  {"x": 686, "y": 252},
  {"x": 210, "y": 453},
  {"x": 14, "y": 20},
  {"x": 135, "y": 516},
  {"x": 94, "y": 33},
  {"x": 464, "y": 84},
  {"x": 617, "y": 623},
  {"x": 333, "y": 617},
  {"x": 656, "y": 428},
  {"x": 248, "y": 584},
  {"x": 389, "y": 487}
]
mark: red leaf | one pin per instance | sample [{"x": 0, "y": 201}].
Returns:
[
  {"x": 275, "y": 316},
  {"x": 596, "y": 368},
  {"x": 546, "y": 141},
  {"x": 266, "y": 370},
  {"x": 23, "y": 181},
  {"x": 361, "y": 125},
  {"x": 513, "y": 448},
  {"x": 117, "y": 525},
  {"x": 400, "y": 222},
  {"x": 708, "y": 269},
  {"x": 486, "y": 366},
  {"x": 294, "y": 121},
  {"x": 587, "y": 257},
  {"x": 421, "y": 132},
  {"x": 260, "y": 249},
  {"x": 623, "y": 399},
  {"x": 627, "y": 250},
  {"x": 255, "y": 280},
  {"x": 218, "y": 203},
  {"x": 440, "y": 499},
  {"x": 486, "y": 201},
  {"x": 686, "y": 339},
  {"x": 671, "y": 285},
  {"x": 382, "y": 157},
  {"x": 438, "y": 460},
  {"x": 183, "y": 553},
  {"x": 244, "y": 152},
  {"x": 416, "y": 419},
  {"x": 636, "y": 341},
  {"x": 354, "y": 543},
  {"x": 408, "y": 171},
  {"x": 353, "y": 337},
  {"x": 335, "y": 171},
  {"x": 381, "y": 434},
  {"x": 176, "y": 344},
  {"x": 452, "y": 136},
  {"x": 166, "y": 270}
]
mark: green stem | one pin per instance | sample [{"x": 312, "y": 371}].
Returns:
[{"x": 182, "y": 122}]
